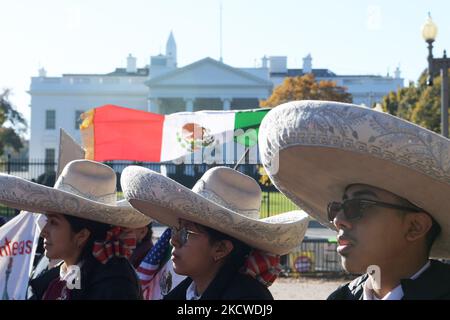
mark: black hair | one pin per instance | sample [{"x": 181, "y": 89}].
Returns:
[
  {"x": 149, "y": 235},
  {"x": 236, "y": 258},
  {"x": 97, "y": 231}
]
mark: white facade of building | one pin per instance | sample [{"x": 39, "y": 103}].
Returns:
[
  {"x": 165, "y": 88},
  {"x": 365, "y": 89}
]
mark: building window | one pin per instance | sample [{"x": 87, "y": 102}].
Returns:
[
  {"x": 78, "y": 120},
  {"x": 50, "y": 119},
  {"x": 49, "y": 160}
]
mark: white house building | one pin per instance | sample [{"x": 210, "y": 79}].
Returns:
[
  {"x": 163, "y": 87},
  {"x": 365, "y": 89}
]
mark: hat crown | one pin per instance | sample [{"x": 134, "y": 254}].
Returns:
[
  {"x": 232, "y": 190},
  {"x": 89, "y": 179}
]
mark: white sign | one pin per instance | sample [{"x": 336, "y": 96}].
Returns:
[{"x": 18, "y": 242}]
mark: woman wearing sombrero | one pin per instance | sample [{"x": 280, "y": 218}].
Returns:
[
  {"x": 381, "y": 182},
  {"x": 218, "y": 240},
  {"x": 82, "y": 215}
]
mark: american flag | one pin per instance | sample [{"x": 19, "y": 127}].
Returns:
[{"x": 153, "y": 260}]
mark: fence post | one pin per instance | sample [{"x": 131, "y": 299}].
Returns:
[{"x": 8, "y": 164}]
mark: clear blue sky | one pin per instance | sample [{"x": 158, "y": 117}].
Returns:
[{"x": 95, "y": 36}]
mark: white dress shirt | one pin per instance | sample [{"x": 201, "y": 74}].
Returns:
[
  {"x": 394, "y": 294},
  {"x": 70, "y": 271},
  {"x": 191, "y": 292}
]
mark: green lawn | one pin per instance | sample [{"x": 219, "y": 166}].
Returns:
[
  {"x": 274, "y": 203},
  {"x": 5, "y": 212}
]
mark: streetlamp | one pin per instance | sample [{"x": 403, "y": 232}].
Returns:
[{"x": 429, "y": 32}]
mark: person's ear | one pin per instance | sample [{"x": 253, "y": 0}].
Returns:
[
  {"x": 418, "y": 225},
  {"x": 82, "y": 237},
  {"x": 222, "y": 249}
]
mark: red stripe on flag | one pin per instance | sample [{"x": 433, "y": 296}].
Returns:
[
  {"x": 127, "y": 134},
  {"x": 147, "y": 272}
]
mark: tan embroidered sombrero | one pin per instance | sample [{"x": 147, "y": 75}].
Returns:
[
  {"x": 85, "y": 189},
  {"x": 223, "y": 199},
  {"x": 312, "y": 150}
]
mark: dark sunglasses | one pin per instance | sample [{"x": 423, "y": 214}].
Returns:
[
  {"x": 181, "y": 235},
  {"x": 354, "y": 208}
]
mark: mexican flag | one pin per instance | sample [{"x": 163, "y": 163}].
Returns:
[{"x": 116, "y": 133}]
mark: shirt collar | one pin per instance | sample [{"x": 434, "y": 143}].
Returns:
[
  {"x": 191, "y": 292},
  {"x": 394, "y": 294},
  {"x": 65, "y": 272}
]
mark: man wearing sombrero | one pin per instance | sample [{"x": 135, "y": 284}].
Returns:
[{"x": 383, "y": 183}]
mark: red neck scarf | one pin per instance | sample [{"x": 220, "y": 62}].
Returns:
[
  {"x": 264, "y": 267},
  {"x": 116, "y": 244}
]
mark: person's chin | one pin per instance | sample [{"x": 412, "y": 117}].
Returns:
[
  {"x": 352, "y": 265},
  {"x": 178, "y": 270},
  {"x": 176, "y": 265},
  {"x": 48, "y": 253}
]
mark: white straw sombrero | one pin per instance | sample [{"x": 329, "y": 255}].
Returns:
[
  {"x": 85, "y": 189},
  {"x": 312, "y": 150},
  {"x": 223, "y": 199}
]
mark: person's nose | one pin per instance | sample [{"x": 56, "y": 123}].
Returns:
[
  {"x": 44, "y": 231},
  {"x": 341, "y": 221},
  {"x": 174, "y": 241}
]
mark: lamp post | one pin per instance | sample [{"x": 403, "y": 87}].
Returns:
[{"x": 435, "y": 65}]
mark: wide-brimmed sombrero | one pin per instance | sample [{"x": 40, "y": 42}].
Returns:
[
  {"x": 312, "y": 150},
  {"x": 223, "y": 199},
  {"x": 85, "y": 189}
]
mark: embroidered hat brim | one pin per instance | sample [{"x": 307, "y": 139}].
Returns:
[
  {"x": 312, "y": 150},
  {"x": 167, "y": 201},
  {"x": 22, "y": 194}
]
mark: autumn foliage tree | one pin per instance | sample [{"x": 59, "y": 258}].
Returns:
[
  {"x": 418, "y": 103},
  {"x": 306, "y": 88}
]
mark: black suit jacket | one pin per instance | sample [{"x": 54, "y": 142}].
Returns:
[
  {"x": 115, "y": 280},
  {"x": 432, "y": 284},
  {"x": 227, "y": 285}
]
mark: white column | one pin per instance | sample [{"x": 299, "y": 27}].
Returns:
[
  {"x": 189, "y": 104},
  {"x": 153, "y": 105},
  {"x": 226, "y": 103}
]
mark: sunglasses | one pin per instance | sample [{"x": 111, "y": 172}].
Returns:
[
  {"x": 181, "y": 235},
  {"x": 354, "y": 208}
]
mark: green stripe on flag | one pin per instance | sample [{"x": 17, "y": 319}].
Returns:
[{"x": 249, "y": 122}]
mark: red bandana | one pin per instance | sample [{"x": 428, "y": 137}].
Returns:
[
  {"x": 264, "y": 267},
  {"x": 116, "y": 244}
]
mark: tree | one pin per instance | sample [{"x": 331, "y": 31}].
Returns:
[
  {"x": 10, "y": 136},
  {"x": 306, "y": 88},
  {"x": 417, "y": 103}
]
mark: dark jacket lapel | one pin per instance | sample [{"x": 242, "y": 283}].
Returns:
[{"x": 433, "y": 283}]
